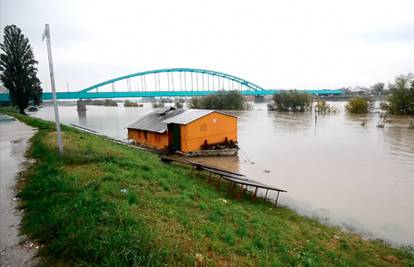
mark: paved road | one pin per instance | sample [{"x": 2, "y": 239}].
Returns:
[{"x": 14, "y": 137}]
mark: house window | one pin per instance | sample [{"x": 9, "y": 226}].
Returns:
[
  {"x": 157, "y": 138},
  {"x": 139, "y": 134},
  {"x": 145, "y": 135},
  {"x": 203, "y": 127}
]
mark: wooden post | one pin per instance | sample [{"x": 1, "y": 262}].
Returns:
[
  {"x": 209, "y": 177},
  {"x": 267, "y": 191},
  {"x": 231, "y": 188},
  {"x": 255, "y": 193},
  {"x": 218, "y": 183},
  {"x": 277, "y": 198},
  {"x": 240, "y": 192}
]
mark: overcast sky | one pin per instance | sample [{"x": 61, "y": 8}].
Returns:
[{"x": 275, "y": 44}]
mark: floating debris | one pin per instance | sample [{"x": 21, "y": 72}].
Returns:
[
  {"x": 266, "y": 170},
  {"x": 124, "y": 190},
  {"x": 411, "y": 125}
]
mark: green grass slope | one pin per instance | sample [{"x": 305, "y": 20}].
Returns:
[{"x": 103, "y": 204}]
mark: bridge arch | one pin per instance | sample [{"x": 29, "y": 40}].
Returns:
[{"x": 239, "y": 82}]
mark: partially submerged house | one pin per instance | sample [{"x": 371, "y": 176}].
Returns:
[{"x": 187, "y": 131}]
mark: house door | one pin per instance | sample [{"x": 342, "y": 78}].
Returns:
[{"x": 174, "y": 136}]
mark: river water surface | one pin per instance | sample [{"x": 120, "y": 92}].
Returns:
[{"x": 360, "y": 177}]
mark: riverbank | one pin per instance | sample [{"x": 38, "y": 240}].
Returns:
[
  {"x": 105, "y": 204},
  {"x": 14, "y": 141}
]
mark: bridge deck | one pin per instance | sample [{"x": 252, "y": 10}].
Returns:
[{"x": 133, "y": 94}]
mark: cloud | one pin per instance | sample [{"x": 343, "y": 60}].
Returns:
[
  {"x": 396, "y": 34},
  {"x": 276, "y": 44}
]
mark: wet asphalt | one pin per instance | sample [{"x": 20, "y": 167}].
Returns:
[{"x": 15, "y": 250}]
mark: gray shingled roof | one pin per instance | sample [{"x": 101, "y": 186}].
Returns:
[
  {"x": 153, "y": 122},
  {"x": 157, "y": 120},
  {"x": 188, "y": 116},
  {"x": 191, "y": 115}
]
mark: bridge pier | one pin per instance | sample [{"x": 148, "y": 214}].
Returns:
[
  {"x": 81, "y": 105},
  {"x": 259, "y": 99}
]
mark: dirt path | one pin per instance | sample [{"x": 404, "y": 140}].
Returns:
[{"x": 14, "y": 137}]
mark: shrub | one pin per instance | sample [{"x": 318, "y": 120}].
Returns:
[
  {"x": 357, "y": 105},
  {"x": 178, "y": 104},
  {"x": 128, "y": 103},
  {"x": 158, "y": 104},
  {"x": 228, "y": 100},
  {"x": 98, "y": 102},
  {"x": 323, "y": 107},
  {"x": 291, "y": 100}
]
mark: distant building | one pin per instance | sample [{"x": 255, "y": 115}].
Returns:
[
  {"x": 4, "y": 99},
  {"x": 3, "y": 90},
  {"x": 184, "y": 130}
]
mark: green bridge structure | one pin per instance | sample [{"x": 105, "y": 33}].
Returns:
[{"x": 172, "y": 82}]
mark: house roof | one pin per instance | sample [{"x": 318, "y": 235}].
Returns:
[
  {"x": 158, "y": 120},
  {"x": 153, "y": 121},
  {"x": 191, "y": 115}
]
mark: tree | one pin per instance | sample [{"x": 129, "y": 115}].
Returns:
[
  {"x": 178, "y": 104},
  {"x": 18, "y": 69},
  {"x": 195, "y": 102},
  {"x": 291, "y": 100},
  {"x": 223, "y": 100},
  {"x": 401, "y": 100},
  {"x": 378, "y": 88}
]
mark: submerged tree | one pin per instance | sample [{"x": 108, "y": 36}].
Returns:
[
  {"x": 378, "y": 88},
  {"x": 357, "y": 105},
  {"x": 291, "y": 100},
  {"x": 224, "y": 100},
  {"x": 18, "y": 69},
  {"x": 323, "y": 107},
  {"x": 401, "y": 100}
]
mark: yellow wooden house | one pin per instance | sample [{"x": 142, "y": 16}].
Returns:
[{"x": 187, "y": 131}]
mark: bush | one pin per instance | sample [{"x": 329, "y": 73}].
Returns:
[
  {"x": 357, "y": 105},
  {"x": 401, "y": 101},
  {"x": 178, "y": 104},
  {"x": 98, "y": 102},
  {"x": 291, "y": 100},
  {"x": 128, "y": 103},
  {"x": 323, "y": 107},
  {"x": 158, "y": 104},
  {"x": 228, "y": 100}
]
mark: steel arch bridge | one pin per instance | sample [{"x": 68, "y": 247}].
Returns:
[{"x": 171, "y": 82}]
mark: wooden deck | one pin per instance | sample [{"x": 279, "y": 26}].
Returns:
[{"x": 233, "y": 178}]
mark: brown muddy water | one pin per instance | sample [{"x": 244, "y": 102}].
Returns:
[{"x": 360, "y": 177}]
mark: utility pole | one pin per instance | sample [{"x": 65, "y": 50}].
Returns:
[{"x": 46, "y": 34}]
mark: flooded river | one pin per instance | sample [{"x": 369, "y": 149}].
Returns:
[{"x": 360, "y": 177}]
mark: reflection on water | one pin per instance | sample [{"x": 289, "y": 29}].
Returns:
[{"x": 341, "y": 168}]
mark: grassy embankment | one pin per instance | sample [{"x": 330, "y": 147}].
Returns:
[{"x": 76, "y": 209}]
